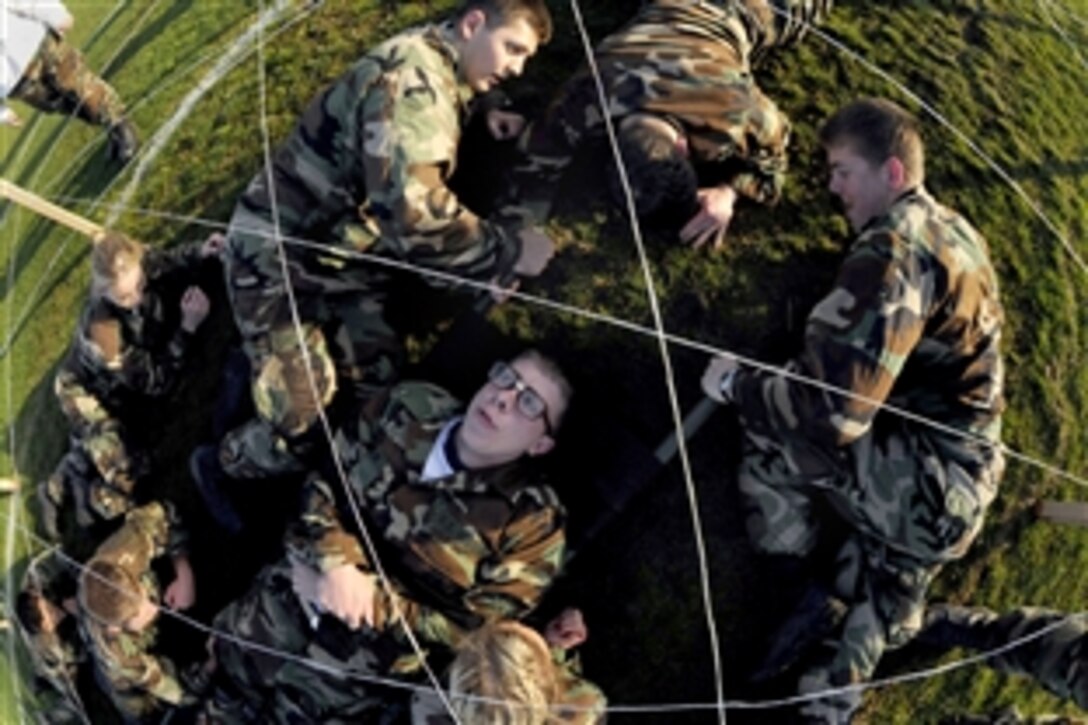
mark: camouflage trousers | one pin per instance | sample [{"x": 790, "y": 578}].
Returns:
[
  {"x": 101, "y": 468},
  {"x": 1058, "y": 660},
  {"x": 344, "y": 335},
  {"x": 58, "y": 81},
  {"x": 256, "y": 687},
  {"x": 911, "y": 502}
]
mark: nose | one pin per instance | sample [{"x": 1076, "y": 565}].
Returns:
[
  {"x": 517, "y": 65},
  {"x": 504, "y": 399},
  {"x": 833, "y": 184}
]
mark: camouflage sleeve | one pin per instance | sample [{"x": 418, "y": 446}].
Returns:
[
  {"x": 752, "y": 131},
  {"x": 136, "y": 669},
  {"x": 98, "y": 430},
  {"x": 547, "y": 146},
  {"x": 505, "y": 586},
  {"x": 319, "y": 539},
  {"x": 411, "y": 132},
  {"x": 857, "y": 339}
]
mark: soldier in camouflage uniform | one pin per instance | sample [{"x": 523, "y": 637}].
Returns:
[
  {"x": 914, "y": 320},
  {"x": 44, "y": 609},
  {"x": 538, "y": 679},
  {"x": 119, "y": 600},
  {"x": 678, "y": 79},
  {"x": 128, "y": 349},
  {"x": 1058, "y": 660},
  {"x": 366, "y": 171},
  {"x": 466, "y": 531},
  {"x": 47, "y": 73}
]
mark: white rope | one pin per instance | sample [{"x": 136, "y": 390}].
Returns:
[
  {"x": 646, "y": 709},
  {"x": 622, "y": 324},
  {"x": 963, "y": 136},
  {"x": 666, "y": 361},
  {"x": 37, "y": 291},
  {"x": 1045, "y": 7},
  {"x": 349, "y": 493}
]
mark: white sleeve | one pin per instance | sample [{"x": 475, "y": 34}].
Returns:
[{"x": 51, "y": 12}]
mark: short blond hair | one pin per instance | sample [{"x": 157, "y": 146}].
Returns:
[
  {"x": 109, "y": 593},
  {"x": 112, "y": 255},
  {"x": 504, "y": 675},
  {"x": 505, "y": 12}
]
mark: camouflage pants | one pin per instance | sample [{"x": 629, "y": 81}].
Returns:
[
  {"x": 100, "y": 469},
  {"x": 58, "y": 81},
  {"x": 345, "y": 334},
  {"x": 911, "y": 501},
  {"x": 1058, "y": 660},
  {"x": 266, "y": 688}
]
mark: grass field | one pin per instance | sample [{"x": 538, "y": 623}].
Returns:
[{"x": 1010, "y": 75}]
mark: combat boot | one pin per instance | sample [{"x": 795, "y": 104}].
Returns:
[
  {"x": 948, "y": 625},
  {"x": 123, "y": 141},
  {"x": 209, "y": 477}
]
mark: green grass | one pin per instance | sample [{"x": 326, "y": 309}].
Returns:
[{"x": 996, "y": 69}]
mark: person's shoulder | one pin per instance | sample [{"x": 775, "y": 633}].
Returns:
[
  {"x": 419, "y": 401},
  {"x": 423, "y": 48}
]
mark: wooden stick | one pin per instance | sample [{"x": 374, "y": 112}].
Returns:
[
  {"x": 1074, "y": 513},
  {"x": 49, "y": 210}
]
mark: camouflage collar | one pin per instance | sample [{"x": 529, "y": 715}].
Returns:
[
  {"x": 915, "y": 193},
  {"x": 443, "y": 39}
]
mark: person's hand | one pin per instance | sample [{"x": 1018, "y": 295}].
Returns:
[
  {"x": 181, "y": 594},
  {"x": 566, "y": 631},
  {"x": 194, "y": 308},
  {"x": 537, "y": 249},
  {"x": 213, "y": 245},
  {"x": 9, "y": 117},
  {"x": 712, "y": 219},
  {"x": 65, "y": 24},
  {"x": 348, "y": 594},
  {"x": 500, "y": 293},
  {"x": 504, "y": 125},
  {"x": 717, "y": 369}
]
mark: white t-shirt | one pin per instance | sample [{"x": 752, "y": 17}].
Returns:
[
  {"x": 23, "y": 24},
  {"x": 438, "y": 465}
]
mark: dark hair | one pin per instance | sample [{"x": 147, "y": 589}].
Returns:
[
  {"x": 503, "y": 12},
  {"x": 877, "y": 129},
  {"x": 29, "y": 612},
  {"x": 663, "y": 181}
]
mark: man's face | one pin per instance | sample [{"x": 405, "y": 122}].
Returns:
[
  {"x": 128, "y": 287},
  {"x": 865, "y": 190},
  {"x": 491, "y": 55},
  {"x": 497, "y": 430}
]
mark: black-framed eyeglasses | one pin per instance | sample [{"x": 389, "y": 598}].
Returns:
[{"x": 530, "y": 403}]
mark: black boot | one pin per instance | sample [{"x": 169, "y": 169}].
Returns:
[
  {"x": 209, "y": 478},
  {"x": 123, "y": 141},
  {"x": 948, "y": 626}
]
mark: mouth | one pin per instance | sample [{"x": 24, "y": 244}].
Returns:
[{"x": 486, "y": 419}]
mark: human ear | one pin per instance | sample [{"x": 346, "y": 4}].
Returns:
[
  {"x": 471, "y": 22},
  {"x": 542, "y": 445},
  {"x": 896, "y": 173}
]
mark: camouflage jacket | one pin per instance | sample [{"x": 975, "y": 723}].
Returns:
[
  {"x": 914, "y": 320},
  {"x": 122, "y": 356},
  {"x": 579, "y": 701},
  {"x": 472, "y": 546},
  {"x": 685, "y": 61},
  {"x": 124, "y": 659},
  {"x": 366, "y": 170},
  {"x": 55, "y": 655}
]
